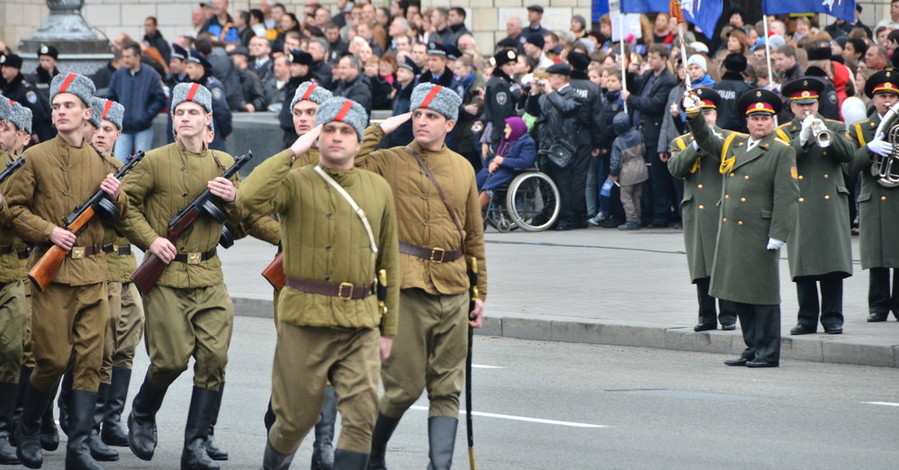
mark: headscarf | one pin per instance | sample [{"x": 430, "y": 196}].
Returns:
[{"x": 519, "y": 128}]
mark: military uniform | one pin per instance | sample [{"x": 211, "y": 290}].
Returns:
[
  {"x": 759, "y": 203},
  {"x": 18, "y": 89},
  {"x": 702, "y": 191}
]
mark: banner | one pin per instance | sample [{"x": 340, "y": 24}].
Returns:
[
  {"x": 842, "y": 9},
  {"x": 645, "y": 6},
  {"x": 704, "y": 14}
]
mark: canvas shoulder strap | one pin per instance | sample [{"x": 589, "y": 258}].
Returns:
[
  {"x": 446, "y": 203},
  {"x": 358, "y": 210}
]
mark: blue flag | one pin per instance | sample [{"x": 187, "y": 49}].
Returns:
[
  {"x": 645, "y": 6},
  {"x": 598, "y": 9},
  {"x": 704, "y": 14},
  {"x": 842, "y": 9}
]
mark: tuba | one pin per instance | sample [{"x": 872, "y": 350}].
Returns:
[{"x": 886, "y": 169}]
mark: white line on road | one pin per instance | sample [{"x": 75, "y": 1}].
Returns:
[
  {"x": 881, "y": 403},
  {"x": 482, "y": 366},
  {"x": 524, "y": 418}
]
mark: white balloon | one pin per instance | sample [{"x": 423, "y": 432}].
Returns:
[{"x": 853, "y": 110}]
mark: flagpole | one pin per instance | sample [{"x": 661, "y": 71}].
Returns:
[
  {"x": 624, "y": 61},
  {"x": 768, "y": 57}
]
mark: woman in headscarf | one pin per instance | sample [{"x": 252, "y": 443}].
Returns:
[{"x": 516, "y": 151}]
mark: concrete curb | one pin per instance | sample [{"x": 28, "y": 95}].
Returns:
[{"x": 842, "y": 349}]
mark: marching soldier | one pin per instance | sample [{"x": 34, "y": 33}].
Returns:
[
  {"x": 18, "y": 89},
  {"x": 71, "y": 314},
  {"x": 330, "y": 323},
  {"x": 440, "y": 226},
  {"x": 758, "y": 212},
  {"x": 819, "y": 247},
  {"x": 189, "y": 312},
  {"x": 702, "y": 190},
  {"x": 878, "y": 202}
]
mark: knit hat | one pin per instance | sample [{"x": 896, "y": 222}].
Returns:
[
  {"x": 345, "y": 111},
  {"x": 113, "y": 112},
  {"x": 699, "y": 60},
  {"x": 436, "y": 98},
  {"x": 5, "y": 107},
  {"x": 46, "y": 49},
  {"x": 20, "y": 116},
  {"x": 310, "y": 91},
  {"x": 96, "y": 111},
  {"x": 73, "y": 83},
  {"x": 191, "y": 92},
  {"x": 735, "y": 62},
  {"x": 536, "y": 39},
  {"x": 11, "y": 60}
]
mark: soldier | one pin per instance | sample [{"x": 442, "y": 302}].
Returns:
[
  {"x": 878, "y": 203},
  {"x": 758, "y": 212},
  {"x": 199, "y": 70},
  {"x": 702, "y": 190},
  {"x": 189, "y": 312},
  {"x": 18, "y": 89},
  {"x": 435, "y": 239},
  {"x": 819, "y": 247},
  {"x": 71, "y": 314},
  {"x": 319, "y": 338},
  {"x": 15, "y": 129}
]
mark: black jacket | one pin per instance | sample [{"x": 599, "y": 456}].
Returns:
[
  {"x": 653, "y": 107},
  {"x": 499, "y": 103},
  {"x": 609, "y": 108},
  {"x": 322, "y": 73},
  {"x": 285, "y": 116},
  {"x": 557, "y": 124},
  {"x": 357, "y": 89},
  {"x": 161, "y": 45},
  {"x": 731, "y": 87},
  {"x": 224, "y": 70},
  {"x": 591, "y": 99},
  {"x": 252, "y": 89},
  {"x": 102, "y": 77},
  {"x": 380, "y": 93},
  {"x": 23, "y": 92},
  {"x": 401, "y": 104}
]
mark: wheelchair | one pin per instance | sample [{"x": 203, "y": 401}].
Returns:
[{"x": 530, "y": 202}]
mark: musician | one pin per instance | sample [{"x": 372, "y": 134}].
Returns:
[
  {"x": 819, "y": 247},
  {"x": 878, "y": 202}
]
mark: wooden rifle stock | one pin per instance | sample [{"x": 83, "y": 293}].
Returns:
[{"x": 274, "y": 272}]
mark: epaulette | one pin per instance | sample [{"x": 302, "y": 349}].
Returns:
[
  {"x": 782, "y": 136},
  {"x": 860, "y": 134},
  {"x": 778, "y": 139},
  {"x": 682, "y": 140}
]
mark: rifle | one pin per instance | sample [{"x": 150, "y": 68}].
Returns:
[
  {"x": 45, "y": 270},
  {"x": 11, "y": 168},
  {"x": 146, "y": 275}
]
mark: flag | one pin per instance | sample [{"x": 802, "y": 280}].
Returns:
[
  {"x": 676, "y": 11},
  {"x": 842, "y": 9},
  {"x": 704, "y": 14},
  {"x": 645, "y": 6}
]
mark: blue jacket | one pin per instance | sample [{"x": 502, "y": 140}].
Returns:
[
  {"x": 520, "y": 156},
  {"x": 141, "y": 95}
]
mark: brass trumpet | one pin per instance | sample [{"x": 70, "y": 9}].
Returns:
[
  {"x": 819, "y": 130},
  {"x": 885, "y": 170}
]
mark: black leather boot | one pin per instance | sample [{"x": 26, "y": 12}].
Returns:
[
  {"x": 442, "y": 440},
  {"x": 142, "y": 421},
  {"x": 194, "y": 457},
  {"x": 24, "y": 379},
  {"x": 62, "y": 401},
  {"x": 323, "y": 447},
  {"x": 28, "y": 430},
  {"x": 49, "y": 432},
  {"x": 7, "y": 405},
  {"x": 81, "y": 420},
  {"x": 100, "y": 451},
  {"x": 212, "y": 449},
  {"x": 113, "y": 431},
  {"x": 274, "y": 460},
  {"x": 384, "y": 428},
  {"x": 347, "y": 460}
]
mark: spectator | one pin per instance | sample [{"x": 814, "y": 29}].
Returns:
[
  {"x": 138, "y": 89},
  {"x": 353, "y": 84},
  {"x": 661, "y": 30},
  {"x": 273, "y": 87},
  {"x": 257, "y": 22},
  {"x": 223, "y": 70},
  {"x": 578, "y": 26},
  {"x": 535, "y": 16},
  {"x": 250, "y": 85},
  {"x": 300, "y": 62},
  {"x": 244, "y": 30},
  {"x": 336, "y": 45},
  {"x": 197, "y": 20},
  {"x": 103, "y": 75},
  {"x": 533, "y": 48},
  {"x": 628, "y": 169},
  {"x": 456, "y": 21},
  {"x": 786, "y": 65},
  {"x": 260, "y": 58},
  {"x": 406, "y": 73},
  {"x": 854, "y": 51},
  {"x": 387, "y": 68},
  {"x": 437, "y": 71},
  {"x": 289, "y": 24},
  {"x": 321, "y": 70},
  {"x": 420, "y": 54},
  {"x": 221, "y": 24},
  {"x": 322, "y": 17},
  {"x": 467, "y": 43},
  {"x": 153, "y": 37},
  {"x": 516, "y": 151},
  {"x": 697, "y": 67},
  {"x": 399, "y": 28},
  {"x": 46, "y": 69},
  {"x": 364, "y": 30},
  {"x": 843, "y": 28},
  {"x": 737, "y": 43},
  {"x": 729, "y": 89},
  {"x": 876, "y": 57},
  {"x": 273, "y": 24},
  {"x": 893, "y": 21},
  {"x": 514, "y": 33},
  {"x": 470, "y": 87},
  {"x": 380, "y": 88}
]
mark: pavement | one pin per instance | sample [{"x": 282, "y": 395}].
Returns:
[{"x": 605, "y": 286}]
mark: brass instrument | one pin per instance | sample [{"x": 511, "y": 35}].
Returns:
[
  {"x": 819, "y": 130},
  {"x": 886, "y": 169}
]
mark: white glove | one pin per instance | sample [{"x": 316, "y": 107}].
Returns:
[
  {"x": 775, "y": 244},
  {"x": 806, "y": 133},
  {"x": 880, "y": 146},
  {"x": 691, "y": 100}
]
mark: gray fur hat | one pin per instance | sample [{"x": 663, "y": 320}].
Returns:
[
  {"x": 436, "y": 98},
  {"x": 113, "y": 112},
  {"x": 73, "y": 83},
  {"x": 96, "y": 111},
  {"x": 343, "y": 110},
  {"x": 20, "y": 116},
  {"x": 310, "y": 91},
  {"x": 191, "y": 92},
  {"x": 5, "y": 108}
]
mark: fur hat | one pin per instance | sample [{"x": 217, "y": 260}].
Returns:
[
  {"x": 504, "y": 57},
  {"x": 191, "y": 92},
  {"x": 5, "y": 107},
  {"x": 345, "y": 111},
  {"x": 735, "y": 62},
  {"x": 73, "y": 83},
  {"x": 49, "y": 50},
  {"x": 436, "y": 98},
  {"x": 113, "y": 112},
  {"x": 20, "y": 116},
  {"x": 297, "y": 56},
  {"x": 310, "y": 91},
  {"x": 96, "y": 111},
  {"x": 578, "y": 61},
  {"x": 11, "y": 60}
]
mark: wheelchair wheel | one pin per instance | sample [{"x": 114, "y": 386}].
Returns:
[
  {"x": 532, "y": 201},
  {"x": 495, "y": 214}
]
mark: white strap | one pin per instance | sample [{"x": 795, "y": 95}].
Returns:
[{"x": 356, "y": 208}]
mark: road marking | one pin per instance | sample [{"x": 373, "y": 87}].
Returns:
[
  {"x": 524, "y": 418},
  {"x": 483, "y": 366},
  {"x": 881, "y": 403}
]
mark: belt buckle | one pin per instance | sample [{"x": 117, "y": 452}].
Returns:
[
  {"x": 194, "y": 258},
  {"x": 77, "y": 252},
  {"x": 340, "y": 290},
  {"x": 116, "y": 248},
  {"x": 435, "y": 252}
]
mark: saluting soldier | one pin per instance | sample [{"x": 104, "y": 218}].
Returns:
[
  {"x": 439, "y": 226},
  {"x": 819, "y": 248},
  {"x": 702, "y": 190},
  {"x": 189, "y": 311},
  {"x": 758, "y": 212},
  {"x": 15, "y": 128},
  {"x": 330, "y": 323},
  {"x": 878, "y": 202},
  {"x": 70, "y": 316}
]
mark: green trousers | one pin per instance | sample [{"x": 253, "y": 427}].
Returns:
[
  {"x": 126, "y": 326},
  {"x": 13, "y": 314}
]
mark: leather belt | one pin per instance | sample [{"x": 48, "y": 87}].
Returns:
[
  {"x": 195, "y": 257},
  {"x": 437, "y": 255},
  {"x": 9, "y": 249},
  {"x": 344, "y": 290},
  {"x": 78, "y": 252},
  {"x": 117, "y": 249}
]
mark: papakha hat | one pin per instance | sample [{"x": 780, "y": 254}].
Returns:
[
  {"x": 345, "y": 111},
  {"x": 437, "y": 98}
]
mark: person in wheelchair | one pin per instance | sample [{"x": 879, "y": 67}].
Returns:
[{"x": 516, "y": 151}]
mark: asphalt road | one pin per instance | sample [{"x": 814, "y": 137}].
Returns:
[{"x": 547, "y": 405}]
